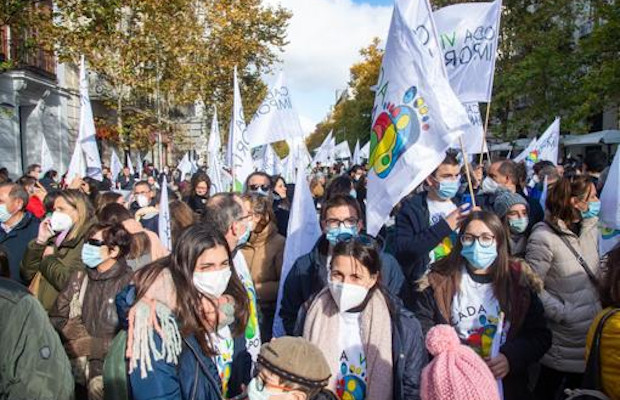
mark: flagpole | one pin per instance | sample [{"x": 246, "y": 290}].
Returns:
[
  {"x": 484, "y": 133},
  {"x": 467, "y": 173}
]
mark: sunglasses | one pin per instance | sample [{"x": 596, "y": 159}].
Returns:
[
  {"x": 95, "y": 242},
  {"x": 264, "y": 188}
]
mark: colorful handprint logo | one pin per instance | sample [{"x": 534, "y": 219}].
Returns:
[
  {"x": 533, "y": 156},
  {"x": 395, "y": 130}
]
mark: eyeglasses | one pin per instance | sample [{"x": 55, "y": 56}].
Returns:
[
  {"x": 485, "y": 240},
  {"x": 95, "y": 242},
  {"x": 335, "y": 223},
  {"x": 264, "y": 188}
]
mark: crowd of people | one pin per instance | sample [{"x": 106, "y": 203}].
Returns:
[{"x": 494, "y": 291}]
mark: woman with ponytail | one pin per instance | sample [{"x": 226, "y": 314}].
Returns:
[{"x": 563, "y": 251}]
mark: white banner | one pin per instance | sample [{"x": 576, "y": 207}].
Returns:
[
  {"x": 357, "y": 159},
  {"x": 473, "y": 137},
  {"x": 365, "y": 151},
  {"x": 548, "y": 144},
  {"x": 415, "y": 118},
  {"x": 302, "y": 233},
  {"x": 276, "y": 118},
  {"x": 238, "y": 155},
  {"x": 77, "y": 165},
  {"x": 86, "y": 132},
  {"x": 214, "y": 164},
  {"x": 165, "y": 234},
  {"x": 185, "y": 166},
  {"x": 468, "y": 34},
  {"x": 529, "y": 153},
  {"x": 342, "y": 150},
  {"x": 610, "y": 195},
  {"x": 115, "y": 166}
]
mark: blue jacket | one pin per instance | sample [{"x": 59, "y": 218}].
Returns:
[
  {"x": 409, "y": 354},
  {"x": 16, "y": 242},
  {"x": 309, "y": 275},
  {"x": 194, "y": 377}
]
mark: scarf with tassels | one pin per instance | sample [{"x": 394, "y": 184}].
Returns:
[{"x": 154, "y": 313}]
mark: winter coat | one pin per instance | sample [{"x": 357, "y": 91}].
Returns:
[
  {"x": 16, "y": 241},
  {"x": 33, "y": 363},
  {"x": 195, "y": 376},
  {"x": 610, "y": 352},
  {"x": 56, "y": 268},
  {"x": 570, "y": 299},
  {"x": 528, "y": 336},
  {"x": 197, "y": 203},
  {"x": 409, "y": 354},
  {"x": 99, "y": 318},
  {"x": 308, "y": 276},
  {"x": 263, "y": 254},
  {"x": 415, "y": 238}
]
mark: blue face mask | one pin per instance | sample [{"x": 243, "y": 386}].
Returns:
[
  {"x": 479, "y": 257},
  {"x": 518, "y": 225},
  {"x": 334, "y": 235},
  {"x": 5, "y": 215},
  {"x": 448, "y": 189},
  {"x": 353, "y": 193},
  {"x": 246, "y": 236},
  {"x": 91, "y": 255},
  {"x": 594, "y": 207}
]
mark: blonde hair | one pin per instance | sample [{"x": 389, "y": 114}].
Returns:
[{"x": 78, "y": 200}]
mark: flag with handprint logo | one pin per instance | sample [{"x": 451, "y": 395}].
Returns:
[{"x": 416, "y": 115}]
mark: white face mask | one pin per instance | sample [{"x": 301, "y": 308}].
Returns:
[
  {"x": 60, "y": 221},
  {"x": 346, "y": 295},
  {"x": 142, "y": 201},
  {"x": 212, "y": 283},
  {"x": 489, "y": 185}
]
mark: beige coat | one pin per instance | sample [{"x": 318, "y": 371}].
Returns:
[
  {"x": 570, "y": 299},
  {"x": 263, "y": 254}
]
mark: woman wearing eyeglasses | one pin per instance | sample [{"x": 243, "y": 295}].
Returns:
[
  {"x": 373, "y": 345},
  {"x": 477, "y": 287},
  {"x": 187, "y": 316},
  {"x": 563, "y": 250},
  {"x": 85, "y": 313}
]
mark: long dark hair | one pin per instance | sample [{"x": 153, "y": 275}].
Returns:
[
  {"x": 181, "y": 262},
  {"x": 500, "y": 269}
]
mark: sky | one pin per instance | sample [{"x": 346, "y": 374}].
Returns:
[{"x": 325, "y": 37}]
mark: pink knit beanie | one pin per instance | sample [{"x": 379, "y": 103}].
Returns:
[{"x": 456, "y": 372}]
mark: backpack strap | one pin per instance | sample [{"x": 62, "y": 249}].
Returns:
[{"x": 592, "y": 375}]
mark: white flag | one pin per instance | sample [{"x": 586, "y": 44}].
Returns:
[
  {"x": 214, "y": 164},
  {"x": 357, "y": 159},
  {"x": 239, "y": 155},
  {"x": 610, "y": 195},
  {"x": 77, "y": 165},
  {"x": 271, "y": 163},
  {"x": 185, "y": 166},
  {"x": 323, "y": 150},
  {"x": 529, "y": 153},
  {"x": 276, "y": 118},
  {"x": 115, "y": 166},
  {"x": 86, "y": 135},
  {"x": 165, "y": 234},
  {"x": 415, "y": 118},
  {"x": 130, "y": 165},
  {"x": 473, "y": 137},
  {"x": 47, "y": 161},
  {"x": 139, "y": 165},
  {"x": 468, "y": 34},
  {"x": 548, "y": 144},
  {"x": 365, "y": 151},
  {"x": 342, "y": 150},
  {"x": 610, "y": 209},
  {"x": 302, "y": 233}
]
